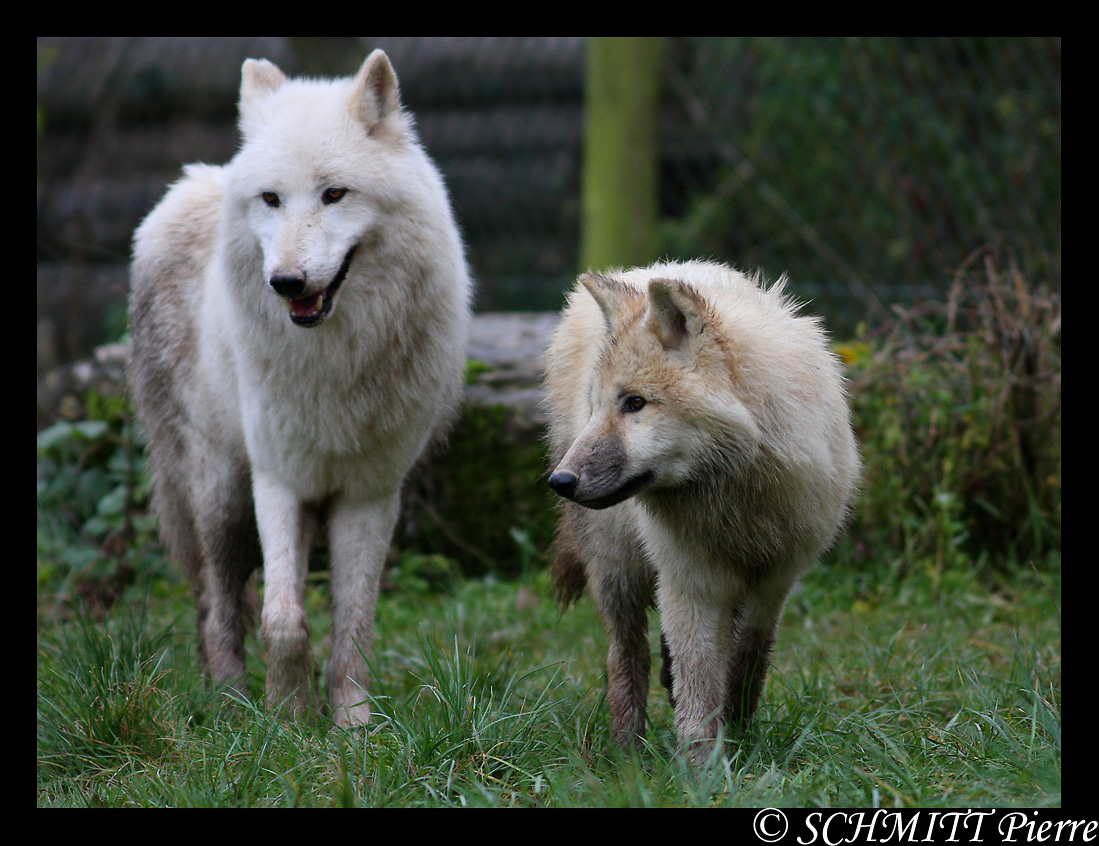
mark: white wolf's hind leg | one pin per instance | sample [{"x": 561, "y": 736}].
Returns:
[{"x": 221, "y": 560}]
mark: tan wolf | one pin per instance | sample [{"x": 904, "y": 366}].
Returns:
[
  {"x": 299, "y": 321},
  {"x": 700, "y": 431}
]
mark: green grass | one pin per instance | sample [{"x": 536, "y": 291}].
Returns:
[{"x": 924, "y": 689}]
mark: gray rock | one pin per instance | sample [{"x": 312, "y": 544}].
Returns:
[{"x": 506, "y": 348}]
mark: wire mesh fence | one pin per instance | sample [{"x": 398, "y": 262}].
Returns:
[{"x": 868, "y": 169}]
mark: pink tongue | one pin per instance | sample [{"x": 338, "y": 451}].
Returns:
[{"x": 305, "y": 306}]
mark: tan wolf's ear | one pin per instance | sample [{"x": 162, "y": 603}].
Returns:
[
  {"x": 611, "y": 295},
  {"x": 677, "y": 314},
  {"x": 376, "y": 97}
]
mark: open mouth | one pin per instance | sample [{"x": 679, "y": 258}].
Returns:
[{"x": 314, "y": 309}]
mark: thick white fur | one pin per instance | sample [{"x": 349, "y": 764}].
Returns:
[{"x": 259, "y": 427}]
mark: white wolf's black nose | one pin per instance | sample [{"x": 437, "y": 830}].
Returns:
[
  {"x": 288, "y": 284},
  {"x": 564, "y": 483}
]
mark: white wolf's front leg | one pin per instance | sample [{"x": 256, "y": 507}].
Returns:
[
  {"x": 286, "y": 536},
  {"x": 360, "y": 533}
]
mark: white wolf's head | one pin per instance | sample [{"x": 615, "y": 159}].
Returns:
[{"x": 319, "y": 162}]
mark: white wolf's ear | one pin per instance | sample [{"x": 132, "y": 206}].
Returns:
[
  {"x": 258, "y": 77},
  {"x": 610, "y": 294},
  {"x": 677, "y": 314},
  {"x": 376, "y": 96}
]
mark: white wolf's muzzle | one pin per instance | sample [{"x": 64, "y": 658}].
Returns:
[{"x": 309, "y": 309}]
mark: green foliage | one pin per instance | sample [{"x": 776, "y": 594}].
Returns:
[
  {"x": 424, "y": 574},
  {"x": 91, "y": 487},
  {"x": 481, "y": 500},
  {"x": 84, "y": 466},
  {"x": 958, "y": 406}
]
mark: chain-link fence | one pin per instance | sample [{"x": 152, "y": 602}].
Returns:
[{"x": 868, "y": 169}]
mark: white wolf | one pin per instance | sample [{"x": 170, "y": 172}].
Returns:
[
  {"x": 299, "y": 321},
  {"x": 701, "y": 432}
]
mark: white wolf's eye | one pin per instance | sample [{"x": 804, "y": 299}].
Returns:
[
  {"x": 333, "y": 195},
  {"x": 271, "y": 198},
  {"x": 633, "y": 403}
]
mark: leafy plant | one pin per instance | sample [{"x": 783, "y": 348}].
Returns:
[
  {"x": 958, "y": 406},
  {"x": 482, "y": 499},
  {"x": 91, "y": 490}
]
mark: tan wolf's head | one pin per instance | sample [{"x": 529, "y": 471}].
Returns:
[{"x": 655, "y": 399}]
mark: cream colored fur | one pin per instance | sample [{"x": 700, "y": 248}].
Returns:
[{"x": 701, "y": 435}]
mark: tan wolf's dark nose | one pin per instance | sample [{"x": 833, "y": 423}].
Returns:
[{"x": 564, "y": 483}]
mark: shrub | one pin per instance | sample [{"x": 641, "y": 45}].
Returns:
[
  {"x": 93, "y": 531},
  {"x": 482, "y": 500},
  {"x": 958, "y": 406}
]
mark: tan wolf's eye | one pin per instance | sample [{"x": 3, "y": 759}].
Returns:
[
  {"x": 333, "y": 195},
  {"x": 634, "y": 403},
  {"x": 271, "y": 198}
]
